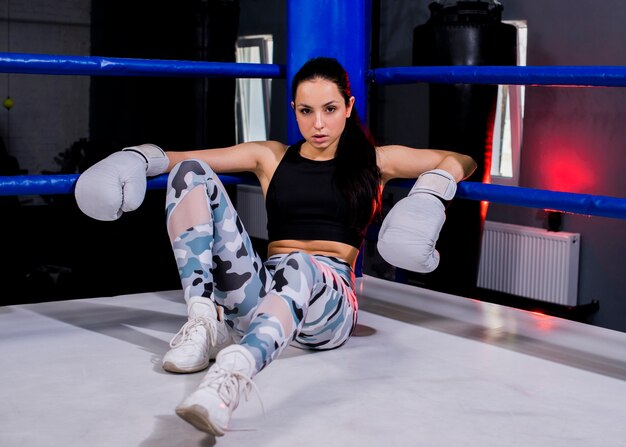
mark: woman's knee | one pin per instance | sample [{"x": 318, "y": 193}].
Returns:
[{"x": 180, "y": 179}]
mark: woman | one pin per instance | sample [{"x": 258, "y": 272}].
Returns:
[{"x": 320, "y": 193}]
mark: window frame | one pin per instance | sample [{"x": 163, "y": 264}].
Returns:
[{"x": 509, "y": 119}]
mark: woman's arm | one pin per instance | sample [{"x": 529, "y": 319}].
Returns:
[
  {"x": 397, "y": 161},
  {"x": 409, "y": 233},
  {"x": 117, "y": 184},
  {"x": 244, "y": 157}
]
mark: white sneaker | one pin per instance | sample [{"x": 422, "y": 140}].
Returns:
[
  {"x": 197, "y": 342},
  {"x": 210, "y": 407}
]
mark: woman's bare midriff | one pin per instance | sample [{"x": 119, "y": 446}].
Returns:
[{"x": 327, "y": 248}]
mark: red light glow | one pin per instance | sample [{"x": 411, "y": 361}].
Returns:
[
  {"x": 570, "y": 175},
  {"x": 564, "y": 165}
]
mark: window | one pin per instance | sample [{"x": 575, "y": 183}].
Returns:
[
  {"x": 253, "y": 96},
  {"x": 507, "y": 131},
  {"x": 252, "y": 108}
]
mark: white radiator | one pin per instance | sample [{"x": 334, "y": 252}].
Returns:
[{"x": 530, "y": 262}]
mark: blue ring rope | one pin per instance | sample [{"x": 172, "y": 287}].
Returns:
[
  {"x": 114, "y": 66},
  {"x": 581, "y": 76},
  {"x": 19, "y": 185},
  {"x": 553, "y": 76},
  {"x": 586, "y": 204}
]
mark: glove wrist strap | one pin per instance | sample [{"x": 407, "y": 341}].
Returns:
[
  {"x": 156, "y": 160},
  {"x": 437, "y": 182}
]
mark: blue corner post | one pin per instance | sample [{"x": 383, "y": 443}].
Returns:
[{"x": 331, "y": 28}]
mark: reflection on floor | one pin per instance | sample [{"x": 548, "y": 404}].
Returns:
[{"x": 424, "y": 368}]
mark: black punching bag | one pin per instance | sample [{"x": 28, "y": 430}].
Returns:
[{"x": 461, "y": 120}]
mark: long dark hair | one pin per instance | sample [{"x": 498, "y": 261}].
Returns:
[{"x": 357, "y": 176}]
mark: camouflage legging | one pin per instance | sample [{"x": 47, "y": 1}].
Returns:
[{"x": 308, "y": 300}]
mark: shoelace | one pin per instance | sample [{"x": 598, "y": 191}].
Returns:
[
  {"x": 228, "y": 387},
  {"x": 184, "y": 334}
]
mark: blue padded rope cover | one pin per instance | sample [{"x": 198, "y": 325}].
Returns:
[
  {"x": 579, "y": 76},
  {"x": 585, "y": 204},
  {"x": 590, "y": 76},
  {"x": 112, "y": 66},
  {"x": 20, "y": 185}
]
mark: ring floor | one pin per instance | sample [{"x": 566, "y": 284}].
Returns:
[{"x": 424, "y": 368}]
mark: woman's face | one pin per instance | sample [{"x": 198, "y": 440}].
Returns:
[{"x": 321, "y": 112}]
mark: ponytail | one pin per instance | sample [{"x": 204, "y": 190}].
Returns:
[{"x": 357, "y": 176}]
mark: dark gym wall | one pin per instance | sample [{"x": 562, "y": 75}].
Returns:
[
  {"x": 176, "y": 113},
  {"x": 77, "y": 256},
  {"x": 573, "y": 137}
]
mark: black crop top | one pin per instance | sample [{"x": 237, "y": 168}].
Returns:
[{"x": 303, "y": 202}]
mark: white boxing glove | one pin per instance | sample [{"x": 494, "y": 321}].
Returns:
[
  {"x": 411, "y": 228},
  {"x": 118, "y": 183}
]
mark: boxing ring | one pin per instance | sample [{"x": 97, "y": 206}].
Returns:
[{"x": 424, "y": 368}]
